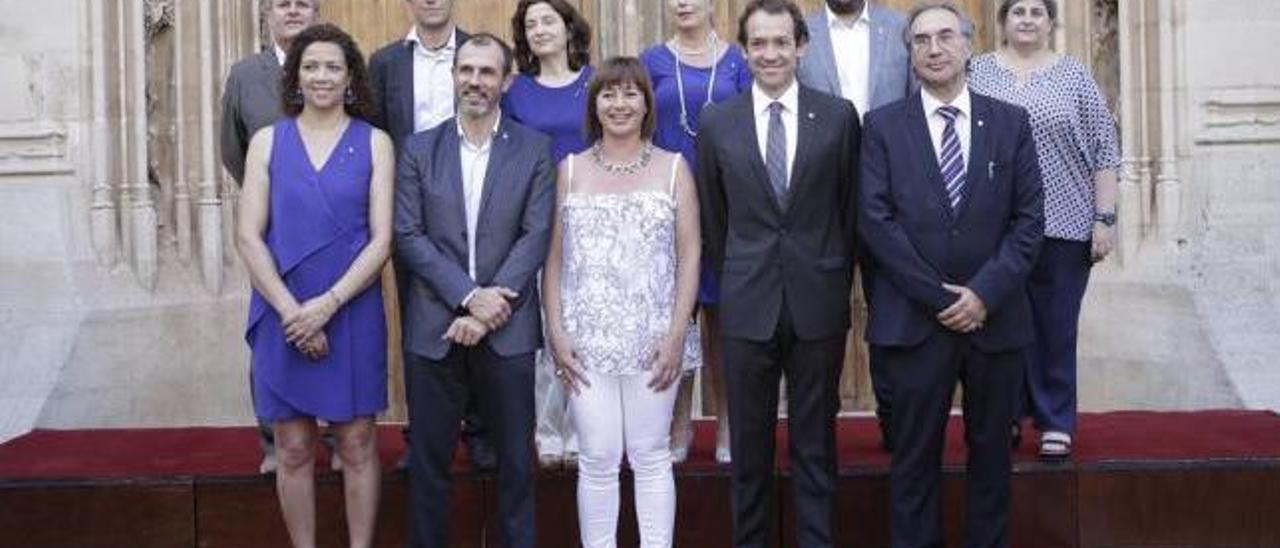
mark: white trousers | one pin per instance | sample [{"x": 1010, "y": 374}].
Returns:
[
  {"x": 554, "y": 433},
  {"x": 620, "y": 415}
]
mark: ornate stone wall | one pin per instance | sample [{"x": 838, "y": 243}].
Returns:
[{"x": 121, "y": 303}]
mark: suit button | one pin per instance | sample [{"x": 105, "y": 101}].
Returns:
[{"x": 955, "y": 232}]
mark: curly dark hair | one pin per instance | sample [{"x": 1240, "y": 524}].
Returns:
[
  {"x": 578, "y": 29},
  {"x": 361, "y": 103}
]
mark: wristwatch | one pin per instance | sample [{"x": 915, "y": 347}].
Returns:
[{"x": 1107, "y": 219}]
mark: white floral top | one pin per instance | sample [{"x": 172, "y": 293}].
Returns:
[{"x": 618, "y": 276}]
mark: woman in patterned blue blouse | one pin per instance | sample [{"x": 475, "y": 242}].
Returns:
[
  {"x": 690, "y": 71},
  {"x": 1075, "y": 138},
  {"x": 550, "y": 95}
]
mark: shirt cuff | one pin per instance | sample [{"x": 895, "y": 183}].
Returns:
[{"x": 467, "y": 299}]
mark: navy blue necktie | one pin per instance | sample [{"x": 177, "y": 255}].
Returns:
[{"x": 951, "y": 159}]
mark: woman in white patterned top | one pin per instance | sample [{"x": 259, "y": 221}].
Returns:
[
  {"x": 1076, "y": 141},
  {"x": 619, "y": 288}
]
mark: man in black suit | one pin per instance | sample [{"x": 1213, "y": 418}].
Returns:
[
  {"x": 952, "y": 210},
  {"x": 474, "y": 199},
  {"x": 778, "y": 226},
  {"x": 412, "y": 83}
]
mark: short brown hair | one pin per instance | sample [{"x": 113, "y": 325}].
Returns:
[
  {"x": 360, "y": 104},
  {"x": 799, "y": 30},
  {"x": 619, "y": 71}
]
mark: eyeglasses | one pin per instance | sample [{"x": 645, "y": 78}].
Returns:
[{"x": 946, "y": 39}]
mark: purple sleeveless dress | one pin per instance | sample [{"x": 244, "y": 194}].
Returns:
[{"x": 319, "y": 224}]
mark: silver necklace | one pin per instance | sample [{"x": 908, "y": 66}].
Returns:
[
  {"x": 628, "y": 168},
  {"x": 713, "y": 41}
]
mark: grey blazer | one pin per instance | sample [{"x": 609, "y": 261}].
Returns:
[
  {"x": 890, "y": 61},
  {"x": 250, "y": 101},
  {"x": 513, "y": 233}
]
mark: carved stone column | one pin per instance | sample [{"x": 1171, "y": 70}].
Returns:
[
  {"x": 1169, "y": 188},
  {"x": 209, "y": 205},
  {"x": 142, "y": 212},
  {"x": 102, "y": 211},
  {"x": 1130, "y": 192}
]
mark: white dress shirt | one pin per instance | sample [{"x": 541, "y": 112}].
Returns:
[
  {"x": 851, "y": 45},
  {"x": 475, "y": 162},
  {"x": 280, "y": 54},
  {"x": 937, "y": 123},
  {"x": 432, "y": 81},
  {"x": 790, "y": 100}
]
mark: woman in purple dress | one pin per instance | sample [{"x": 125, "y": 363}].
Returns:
[
  {"x": 690, "y": 71},
  {"x": 314, "y": 232},
  {"x": 552, "y": 43}
]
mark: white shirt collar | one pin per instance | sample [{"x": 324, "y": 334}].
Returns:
[
  {"x": 280, "y": 54},
  {"x": 462, "y": 135},
  {"x": 790, "y": 99},
  {"x": 932, "y": 103},
  {"x": 834, "y": 20},
  {"x": 448, "y": 47}
]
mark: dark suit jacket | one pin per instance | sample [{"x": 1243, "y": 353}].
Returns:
[
  {"x": 988, "y": 245},
  {"x": 250, "y": 101},
  {"x": 763, "y": 252},
  {"x": 512, "y": 234},
  {"x": 391, "y": 76}
]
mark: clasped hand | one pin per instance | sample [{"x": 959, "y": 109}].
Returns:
[
  {"x": 966, "y": 314},
  {"x": 490, "y": 306},
  {"x": 304, "y": 322}
]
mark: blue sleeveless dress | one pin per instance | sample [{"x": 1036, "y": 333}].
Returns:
[{"x": 319, "y": 225}]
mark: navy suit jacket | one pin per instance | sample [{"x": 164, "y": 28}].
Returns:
[
  {"x": 765, "y": 254},
  {"x": 391, "y": 77},
  {"x": 988, "y": 244},
  {"x": 512, "y": 234}
]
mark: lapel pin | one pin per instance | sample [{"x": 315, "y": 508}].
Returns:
[
  {"x": 979, "y": 123},
  {"x": 811, "y": 116}
]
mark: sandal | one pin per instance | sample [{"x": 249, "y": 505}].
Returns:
[{"x": 1055, "y": 445}]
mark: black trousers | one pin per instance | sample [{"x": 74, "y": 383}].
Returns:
[
  {"x": 438, "y": 395},
  {"x": 924, "y": 378},
  {"x": 752, "y": 373}
]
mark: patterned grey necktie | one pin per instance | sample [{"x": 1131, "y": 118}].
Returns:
[
  {"x": 775, "y": 156},
  {"x": 951, "y": 159}
]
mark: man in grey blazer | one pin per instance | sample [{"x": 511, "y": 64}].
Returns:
[
  {"x": 413, "y": 87},
  {"x": 474, "y": 199},
  {"x": 857, "y": 52},
  {"x": 251, "y": 101}
]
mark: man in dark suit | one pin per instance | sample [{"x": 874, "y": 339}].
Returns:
[
  {"x": 856, "y": 52},
  {"x": 251, "y": 101},
  {"x": 412, "y": 84},
  {"x": 411, "y": 77},
  {"x": 952, "y": 209},
  {"x": 777, "y": 218},
  {"x": 474, "y": 199}
]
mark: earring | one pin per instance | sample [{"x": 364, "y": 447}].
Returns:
[
  {"x": 297, "y": 97},
  {"x": 349, "y": 97}
]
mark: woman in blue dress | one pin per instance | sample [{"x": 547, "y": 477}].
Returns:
[
  {"x": 552, "y": 43},
  {"x": 690, "y": 71},
  {"x": 314, "y": 232}
]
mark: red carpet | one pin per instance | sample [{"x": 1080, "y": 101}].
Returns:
[{"x": 150, "y": 453}]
